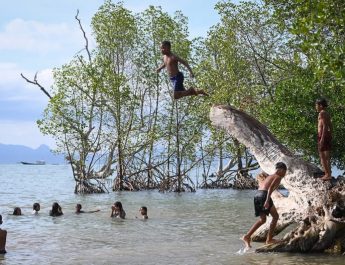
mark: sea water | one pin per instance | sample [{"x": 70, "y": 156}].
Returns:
[{"x": 187, "y": 228}]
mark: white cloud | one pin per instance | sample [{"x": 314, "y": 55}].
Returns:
[
  {"x": 23, "y": 133},
  {"x": 8, "y": 73},
  {"x": 38, "y": 37},
  {"x": 14, "y": 87}
]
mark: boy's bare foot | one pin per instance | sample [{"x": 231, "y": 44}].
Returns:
[
  {"x": 272, "y": 241},
  {"x": 325, "y": 178},
  {"x": 246, "y": 241},
  {"x": 202, "y": 92}
]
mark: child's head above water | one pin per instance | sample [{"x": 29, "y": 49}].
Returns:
[{"x": 143, "y": 212}]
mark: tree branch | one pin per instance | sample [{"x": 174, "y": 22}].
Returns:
[
  {"x": 35, "y": 82},
  {"x": 84, "y": 35}
]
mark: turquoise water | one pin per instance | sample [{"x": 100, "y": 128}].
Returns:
[{"x": 190, "y": 228}]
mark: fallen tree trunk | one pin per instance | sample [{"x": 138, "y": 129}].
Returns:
[{"x": 310, "y": 201}]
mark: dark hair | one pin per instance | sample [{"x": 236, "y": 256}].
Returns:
[
  {"x": 118, "y": 204},
  {"x": 281, "y": 165},
  {"x": 0, "y": 219},
  {"x": 79, "y": 205},
  {"x": 17, "y": 211},
  {"x": 55, "y": 206},
  {"x": 322, "y": 102},
  {"x": 166, "y": 43},
  {"x": 144, "y": 208},
  {"x": 36, "y": 206},
  {"x": 56, "y": 210}
]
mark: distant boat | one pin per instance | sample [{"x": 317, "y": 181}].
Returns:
[{"x": 38, "y": 162}]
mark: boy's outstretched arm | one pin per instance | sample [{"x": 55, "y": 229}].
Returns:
[
  {"x": 160, "y": 68},
  {"x": 185, "y": 63}
]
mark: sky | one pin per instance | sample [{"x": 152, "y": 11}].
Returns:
[{"x": 39, "y": 35}]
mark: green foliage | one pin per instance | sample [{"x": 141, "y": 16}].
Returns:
[
  {"x": 242, "y": 59},
  {"x": 291, "y": 116},
  {"x": 113, "y": 109},
  {"x": 114, "y": 29},
  {"x": 271, "y": 61},
  {"x": 317, "y": 31}
]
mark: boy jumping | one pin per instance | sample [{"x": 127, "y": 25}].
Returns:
[{"x": 170, "y": 61}]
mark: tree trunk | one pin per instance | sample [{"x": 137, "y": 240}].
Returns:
[
  {"x": 318, "y": 230},
  {"x": 118, "y": 181},
  {"x": 178, "y": 156}
]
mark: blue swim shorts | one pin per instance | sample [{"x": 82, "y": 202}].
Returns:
[{"x": 177, "y": 82}]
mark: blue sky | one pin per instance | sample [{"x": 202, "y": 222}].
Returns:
[{"x": 39, "y": 35}]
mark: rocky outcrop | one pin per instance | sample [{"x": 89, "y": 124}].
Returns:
[{"x": 308, "y": 202}]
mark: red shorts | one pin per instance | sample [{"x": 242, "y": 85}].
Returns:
[{"x": 326, "y": 145}]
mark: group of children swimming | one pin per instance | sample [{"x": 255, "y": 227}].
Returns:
[{"x": 117, "y": 210}]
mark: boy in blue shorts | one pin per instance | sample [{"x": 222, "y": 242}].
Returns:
[{"x": 170, "y": 61}]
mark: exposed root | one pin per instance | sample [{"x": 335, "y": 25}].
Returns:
[{"x": 86, "y": 187}]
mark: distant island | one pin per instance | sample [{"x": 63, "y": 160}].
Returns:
[{"x": 12, "y": 154}]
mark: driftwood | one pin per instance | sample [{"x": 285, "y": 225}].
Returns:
[{"x": 314, "y": 206}]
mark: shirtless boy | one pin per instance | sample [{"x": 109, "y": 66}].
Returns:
[
  {"x": 3, "y": 235},
  {"x": 170, "y": 61},
  {"x": 324, "y": 137},
  {"x": 263, "y": 204}
]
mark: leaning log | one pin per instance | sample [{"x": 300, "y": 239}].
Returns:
[{"x": 309, "y": 202}]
